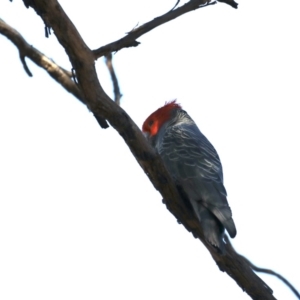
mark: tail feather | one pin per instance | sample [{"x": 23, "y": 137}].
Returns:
[
  {"x": 212, "y": 228},
  {"x": 224, "y": 216}
]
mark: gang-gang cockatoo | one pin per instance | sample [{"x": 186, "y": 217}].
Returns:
[{"x": 195, "y": 166}]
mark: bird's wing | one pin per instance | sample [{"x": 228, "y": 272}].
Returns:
[{"x": 195, "y": 164}]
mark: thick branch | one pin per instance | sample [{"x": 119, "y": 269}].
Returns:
[
  {"x": 130, "y": 39},
  {"x": 59, "y": 74}
]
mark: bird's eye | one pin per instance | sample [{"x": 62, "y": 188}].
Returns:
[{"x": 150, "y": 123}]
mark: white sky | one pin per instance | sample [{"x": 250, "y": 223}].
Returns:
[{"x": 78, "y": 217}]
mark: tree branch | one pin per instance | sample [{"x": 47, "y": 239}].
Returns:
[
  {"x": 82, "y": 59},
  {"x": 114, "y": 79},
  {"x": 230, "y": 2},
  {"x": 59, "y": 74},
  {"x": 130, "y": 39},
  {"x": 271, "y": 272}
]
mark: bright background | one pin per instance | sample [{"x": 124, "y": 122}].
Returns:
[{"x": 78, "y": 217}]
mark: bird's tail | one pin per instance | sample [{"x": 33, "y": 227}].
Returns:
[
  {"x": 223, "y": 214},
  {"x": 212, "y": 228}
]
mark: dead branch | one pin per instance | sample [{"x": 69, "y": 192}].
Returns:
[
  {"x": 130, "y": 39},
  {"x": 59, "y": 74},
  {"x": 271, "y": 272},
  {"x": 114, "y": 79},
  {"x": 230, "y": 2}
]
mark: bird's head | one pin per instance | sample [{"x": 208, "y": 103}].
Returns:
[{"x": 157, "y": 119}]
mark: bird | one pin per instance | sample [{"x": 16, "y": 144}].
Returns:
[{"x": 195, "y": 167}]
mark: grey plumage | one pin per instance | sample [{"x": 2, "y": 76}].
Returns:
[{"x": 195, "y": 165}]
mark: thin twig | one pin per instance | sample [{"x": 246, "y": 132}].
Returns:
[
  {"x": 176, "y": 4},
  {"x": 23, "y": 61},
  {"x": 114, "y": 79},
  {"x": 230, "y": 2}
]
